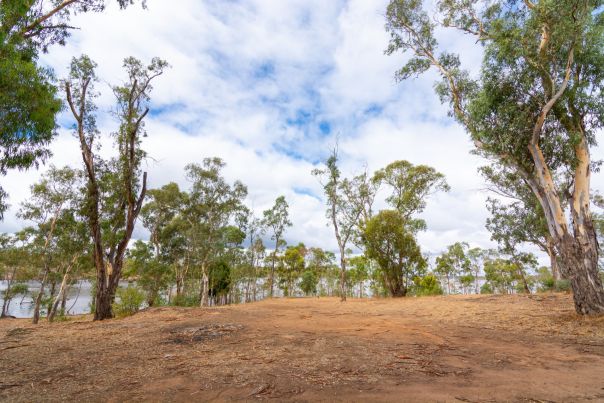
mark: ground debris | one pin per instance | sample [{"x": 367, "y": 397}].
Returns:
[{"x": 197, "y": 334}]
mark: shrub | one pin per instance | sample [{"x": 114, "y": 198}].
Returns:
[
  {"x": 427, "y": 285},
  {"x": 562, "y": 285},
  {"x": 486, "y": 289},
  {"x": 185, "y": 300},
  {"x": 130, "y": 301}
]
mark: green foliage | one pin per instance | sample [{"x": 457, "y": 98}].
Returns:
[
  {"x": 28, "y": 94},
  {"x": 410, "y": 186},
  {"x": 188, "y": 300},
  {"x": 129, "y": 301},
  {"x": 220, "y": 278},
  {"x": 152, "y": 276},
  {"x": 562, "y": 286},
  {"x": 486, "y": 289},
  {"x": 545, "y": 279},
  {"x": 455, "y": 263},
  {"x": 293, "y": 265},
  {"x": 427, "y": 285},
  {"x": 309, "y": 282},
  {"x": 395, "y": 249}
]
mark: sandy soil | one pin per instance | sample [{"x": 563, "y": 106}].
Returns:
[{"x": 464, "y": 348}]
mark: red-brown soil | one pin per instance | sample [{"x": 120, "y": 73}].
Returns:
[{"x": 463, "y": 348}]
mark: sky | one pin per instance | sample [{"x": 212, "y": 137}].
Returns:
[{"x": 268, "y": 86}]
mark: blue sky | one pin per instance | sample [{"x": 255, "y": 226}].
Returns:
[{"x": 268, "y": 85}]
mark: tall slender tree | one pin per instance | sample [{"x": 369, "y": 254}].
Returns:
[
  {"x": 343, "y": 211},
  {"x": 277, "y": 220},
  {"x": 116, "y": 188}
]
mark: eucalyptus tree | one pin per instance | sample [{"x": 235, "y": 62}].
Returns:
[
  {"x": 359, "y": 272},
  {"x": 454, "y": 263},
  {"x": 410, "y": 186},
  {"x": 392, "y": 244},
  {"x": 321, "y": 262},
  {"x": 14, "y": 259},
  {"x": 519, "y": 219},
  {"x": 254, "y": 230},
  {"x": 152, "y": 274},
  {"x": 293, "y": 265},
  {"x": 211, "y": 206},
  {"x": 49, "y": 201},
  {"x": 535, "y": 107},
  {"x": 161, "y": 215},
  {"x": 29, "y": 99},
  {"x": 344, "y": 210},
  {"x": 276, "y": 219},
  {"x": 116, "y": 188}
]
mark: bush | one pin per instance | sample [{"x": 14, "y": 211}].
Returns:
[
  {"x": 130, "y": 301},
  {"x": 486, "y": 289},
  {"x": 185, "y": 300},
  {"x": 562, "y": 285},
  {"x": 427, "y": 285}
]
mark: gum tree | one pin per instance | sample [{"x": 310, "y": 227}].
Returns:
[
  {"x": 276, "y": 219},
  {"x": 345, "y": 208},
  {"x": 535, "y": 108},
  {"x": 115, "y": 188},
  {"x": 29, "y": 99}
]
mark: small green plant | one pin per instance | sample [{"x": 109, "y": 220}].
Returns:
[
  {"x": 486, "y": 289},
  {"x": 562, "y": 286},
  {"x": 185, "y": 300},
  {"x": 129, "y": 301}
]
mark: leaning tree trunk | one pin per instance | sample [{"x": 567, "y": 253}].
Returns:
[{"x": 577, "y": 251}]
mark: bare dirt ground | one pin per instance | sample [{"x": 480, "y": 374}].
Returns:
[{"x": 464, "y": 348}]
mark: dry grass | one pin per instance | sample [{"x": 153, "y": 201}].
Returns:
[{"x": 465, "y": 348}]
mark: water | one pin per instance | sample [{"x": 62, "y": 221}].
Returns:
[{"x": 78, "y": 299}]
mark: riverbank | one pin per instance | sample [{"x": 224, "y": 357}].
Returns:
[{"x": 468, "y": 348}]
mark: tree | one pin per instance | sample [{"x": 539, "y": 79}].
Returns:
[
  {"x": 521, "y": 220},
  {"x": 427, "y": 285},
  {"x": 277, "y": 220},
  {"x": 359, "y": 272},
  {"x": 390, "y": 242},
  {"x": 49, "y": 200},
  {"x": 254, "y": 230},
  {"x": 13, "y": 258},
  {"x": 116, "y": 190},
  {"x": 476, "y": 256},
  {"x": 535, "y": 108},
  {"x": 29, "y": 100},
  {"x": 152, "y": 275},
  {"x": 454, "y": 263},
  {"x": 211, "y": 204},
  {"x": 410, "y": 186},
  {"x": 343, "y": 211},
  {"x": 293, "y": 265}
]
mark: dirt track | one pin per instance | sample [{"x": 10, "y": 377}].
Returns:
[{"x": 465, "y": 348}]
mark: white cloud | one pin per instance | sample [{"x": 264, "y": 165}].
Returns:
[{"x": 251, "y": 81}]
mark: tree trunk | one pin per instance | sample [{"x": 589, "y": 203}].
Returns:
[
  {"x": 579, "y": 265},
  {"x": 53, "y": 310},
  {"x": 551, "y": 251},
  {"x": 203, "y": 300},
  {"x": 272, "y": 279},
  {"x": 36, "y": 317}
]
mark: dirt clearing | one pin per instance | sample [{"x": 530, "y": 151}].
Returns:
[{"x": 463, "y": 348}]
